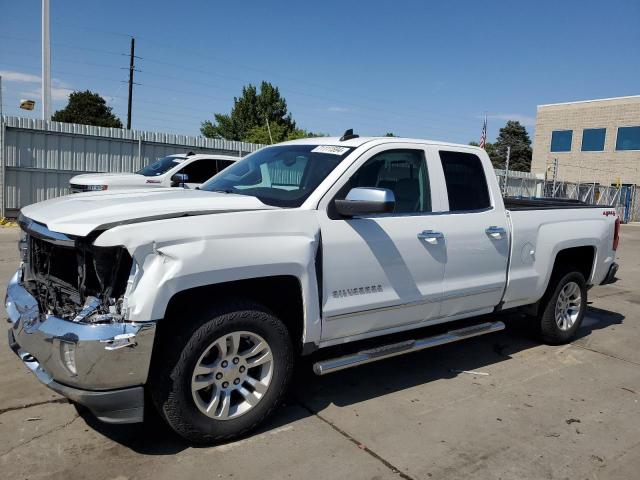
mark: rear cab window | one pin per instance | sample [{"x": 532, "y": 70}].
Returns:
[{"x": 466, "y": 183}]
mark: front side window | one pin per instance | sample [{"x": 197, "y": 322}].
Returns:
[
  {"x": 404, "y": 172},
  {"x": 161, "y": 166},
  {"x": 628, "y": 138},
  {"x": 281, "y": 175},
  {"x": 561, "y": 140},
  {"x": 199, "y": 171},
  {"x": 466, "y": 183},
  {"x": 593, "y": 139}
]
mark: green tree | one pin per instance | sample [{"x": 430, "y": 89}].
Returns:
[
  {"x": 249, "y": 114},
  {"x": 87, "y": 108},
  {"x": 513, "y": 135},
  {"x": 260, "y": 134},
  {"x": 389, "y": 134}
]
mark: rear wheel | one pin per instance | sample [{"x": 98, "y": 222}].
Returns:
[
  {"x": 563, "y": 308},
  {"x": 227, "y": 376}
]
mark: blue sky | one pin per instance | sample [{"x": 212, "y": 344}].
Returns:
[{"x": 419, "y": 69}]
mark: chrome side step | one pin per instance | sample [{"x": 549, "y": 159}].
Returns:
[{"x": 387, "y": 351}]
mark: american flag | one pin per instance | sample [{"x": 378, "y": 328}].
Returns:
[{"x": 483, "y": 137}]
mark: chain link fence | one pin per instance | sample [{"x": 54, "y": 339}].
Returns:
[{"x": 526, "y": 185}]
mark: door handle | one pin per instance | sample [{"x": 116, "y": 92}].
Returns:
[
  {"x": 496, "y": 232},
  {"x": 430, "y": 236}
]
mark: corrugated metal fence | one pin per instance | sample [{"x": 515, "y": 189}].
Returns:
[{"x": 38, "y": 158}]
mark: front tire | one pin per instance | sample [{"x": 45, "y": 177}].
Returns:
[
  {"x": 226, "y": 376},
  {"x": 563, "y": 308}
]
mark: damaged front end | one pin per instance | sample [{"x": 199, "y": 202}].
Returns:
[
  {"x": 69, "y": 321},
  {"x": 75, "y": 280}
]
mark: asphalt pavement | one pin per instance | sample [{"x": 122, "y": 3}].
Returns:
[{"x": 525, "y": 411}]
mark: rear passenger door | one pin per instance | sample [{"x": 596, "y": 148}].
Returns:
[{"x": 475, "y": 232}]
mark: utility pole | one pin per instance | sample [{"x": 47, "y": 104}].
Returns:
[
  {"x": 131, "y": 69},
  {"x": 506, "y": 172},
  {"x": 46, "y": 63}
]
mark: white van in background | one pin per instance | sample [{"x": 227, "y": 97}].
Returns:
[{"x": 180, "y": 170}]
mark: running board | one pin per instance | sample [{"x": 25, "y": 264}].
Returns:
[{"x": 386, "y": 351}]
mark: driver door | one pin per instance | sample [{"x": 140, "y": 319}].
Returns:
[{"x": 379, "y": 273}]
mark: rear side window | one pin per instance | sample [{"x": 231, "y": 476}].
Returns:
[
  {"x": 222, "y": 164},
  {"x": 466, "y": 183},
  {"x": 200, "y": 171}
]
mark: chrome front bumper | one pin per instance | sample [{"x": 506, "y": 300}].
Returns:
[{"x": 111, "y": 360}]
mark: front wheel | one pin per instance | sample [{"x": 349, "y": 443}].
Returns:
[
  {"x": 228, "y": 377},
  {"x": 564, "y": 309}
]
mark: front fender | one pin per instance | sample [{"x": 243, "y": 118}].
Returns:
[{"x": 180, "y": 254}]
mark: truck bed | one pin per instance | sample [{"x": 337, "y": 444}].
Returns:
[{"x": 516, "y": 203}]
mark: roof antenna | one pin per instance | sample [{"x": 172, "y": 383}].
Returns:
[{"x": 348, "y": 135}]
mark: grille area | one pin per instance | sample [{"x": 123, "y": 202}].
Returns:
[
  {"x": 75, "y": 188},
  {"x": 62, "y": 276}
]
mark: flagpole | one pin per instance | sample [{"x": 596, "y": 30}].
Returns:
[{"x": 483, "y": 136}]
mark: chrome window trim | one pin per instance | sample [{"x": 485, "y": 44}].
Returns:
[{"x": 420, "y": 214}]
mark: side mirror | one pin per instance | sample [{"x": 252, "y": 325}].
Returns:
[
  {"x": 366, "y": 201},
  {"x": 179, "y": 179}
]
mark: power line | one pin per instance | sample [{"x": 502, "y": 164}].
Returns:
[
  {"x": 183, "y": 67},
  {"x": 421, "y": 118},
  {"x": 92, "y": 29},
  {"x": 385, "y": 112}
]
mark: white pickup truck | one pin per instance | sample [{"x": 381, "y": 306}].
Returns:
[
  {"x": 206, "y": 298},
  {"x": 186, "y": 170}
]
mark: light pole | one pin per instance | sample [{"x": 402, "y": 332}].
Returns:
[{"x": 46, "y": 63}]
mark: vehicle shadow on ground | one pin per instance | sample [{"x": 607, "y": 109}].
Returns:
[{"x": 310, "y": 393}]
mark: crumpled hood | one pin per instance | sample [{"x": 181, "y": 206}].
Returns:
[{"x": 81, "y": 213}]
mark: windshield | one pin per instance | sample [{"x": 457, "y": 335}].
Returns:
[
  {"x": 282, "y": 175},
  {"x": 160, "y": 166}
]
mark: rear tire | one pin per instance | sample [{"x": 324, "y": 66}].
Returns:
[
  {"x": 225, "y": 375},
  {"x": 563, "y": 307}
]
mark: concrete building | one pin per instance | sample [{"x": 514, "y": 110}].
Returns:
[{"x": 593, "y": 140}]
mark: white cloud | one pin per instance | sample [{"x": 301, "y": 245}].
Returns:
[
  {"x": 11, "y": 76},
  {"x": 57, "y": 93},
  {"x": 339, "y": 109},
  {"x": 59, "y": 90},
  {"x": 525, "y": 120}
]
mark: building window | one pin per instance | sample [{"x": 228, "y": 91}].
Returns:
[
  {"x": 628, "y": 138},
  {"x": 561, "y": 140},
  {"x": 593, "y": 139}
]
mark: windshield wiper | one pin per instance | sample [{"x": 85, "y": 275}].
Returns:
[{"x": 223, "y": 191}]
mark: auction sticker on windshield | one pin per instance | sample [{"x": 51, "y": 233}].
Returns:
[{"x": 331, "y": 149}]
